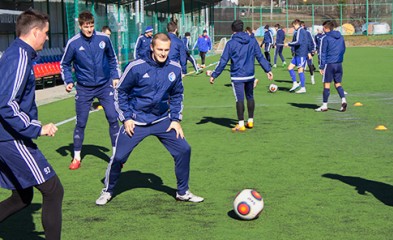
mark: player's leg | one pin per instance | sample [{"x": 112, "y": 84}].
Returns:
[
  {"x": 238, "y": 90},
  {"x": 249, "y": 90},
  {"x": 281, "y": 56},
  {"x": 125, "y": 144},
  {"x": 267, "y": 52},
  {"x": 302, "y": 61},
  {"x": 18, "y": 200},
  {"x": 181, "y": 152},
  {"x": 105, "y": 96},
  {"x": 292, "y": 73},
  {"x": 203, "y": 55},
  {"x": 193, "y": 62},
  {"x": 52, "y": 197},
  {"x": 338, "y": 74},
  {"x": 312, "y": 68},
  {"x": 327, "y": 79},
  {"x": 83, "y": 99},
  {"x": 275, "y": 56}
]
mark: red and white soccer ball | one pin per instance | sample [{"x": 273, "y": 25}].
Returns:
[
  {"x": 248, "y": 204},
  {"x": 209, "y": 72},
  {"x": 273, "y": 88}
]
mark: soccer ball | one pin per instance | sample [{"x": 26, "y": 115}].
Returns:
[
  {"x": 273, "y": 88},
  {"x": 248, "y": 204},
  {"x": 209, "y": 72}
]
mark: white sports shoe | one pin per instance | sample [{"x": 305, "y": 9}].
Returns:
[
  {"x": 312, "y": 80},
  {"x": 295, "y": 85},
  {"x": 104, "y": 198},
  {"x": 321, "y": 109},
  {"x": 274, "y": 66},
  {"x": 189, "y": 197},
  {"x": 301, "y": 90}
]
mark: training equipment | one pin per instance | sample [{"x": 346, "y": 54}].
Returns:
[
  {"x": 381, "y": 127},
  {"x": 273, "y": 88},
  {"x": 209, "y": 72},
  {"x": 248, "y": 204},
  {"x": 221, "y": 46},
  {"x": 189, "y": 197}
]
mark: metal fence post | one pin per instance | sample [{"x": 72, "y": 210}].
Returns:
[{"x": 367, "y": 17}]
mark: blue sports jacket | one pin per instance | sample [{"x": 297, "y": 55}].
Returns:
[
  {"x": 280, "y": 37},
  {"x": 142, "y": 46},
  {"x": 90, "y": 57},
  {"x": 267, "y": 37},
  {"x": 149, "y": 92},
  {"x": 18, "y": 110},
  {"x": 204, "y": 44},
  {"x": 187, "y": 44},
  {"x": 177, "y": 52},
  {"x": 299, "y": 43},
  {"x": 310, "y": 42},
  {"x": 241, "y": 49},
  {"x": 332, "y": 49},
  {"x": 317, "y": 39}
]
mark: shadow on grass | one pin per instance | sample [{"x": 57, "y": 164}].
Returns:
[
  {"x": 233, "y": 215},
  {"x": 304, "y": 105},
  {"x": 283, "y": 81},
  {"x": 228, "y": 85},
  {"x": 97, "y": 151},
  {"x": 135, "y": 179},
  {"x": 21, "y": 225},
  {"x": 381, "y": 191},
  {"x": 226, "y": 122}
]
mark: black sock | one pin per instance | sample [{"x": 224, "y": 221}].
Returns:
[
  {"x": 250, "y": 107},
  {"x": 240, "y": 110},
  {"x": 17, "y": 201}
]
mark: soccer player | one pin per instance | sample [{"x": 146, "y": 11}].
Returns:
[
  {"x": 242, "y": 51},
  {"x": 332, "y": 51},
  {"x": 268, "y": 42},
  {"x": 311, "y": 51},
  {"x": 107, "y": 30},
  {"x": 187, "y": 46},
  {"x": 204, "y": 45},
  {"x": 142, "y": 45},
  {"x": 22, "y": 165},
  {"x": 300, "y": 47},
  {"x": 317, "y": 39},
  {"x": 279, "y": 44},
  {"x": 97, "y": 72},
  {"x": 149, "y": 100},
  {"x": 177, "y": 52}
]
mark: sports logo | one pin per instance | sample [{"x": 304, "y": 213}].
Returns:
[
  {"x": 102, "y": 44},
  {"x": 172, "y": 76},
  {"x": 81, "y": 48}
]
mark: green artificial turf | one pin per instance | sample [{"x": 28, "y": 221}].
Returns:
[{"x": 322, "y": 175}]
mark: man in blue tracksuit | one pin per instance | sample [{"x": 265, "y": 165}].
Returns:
[
  {"x": 149, "y": 100},
  {"x": 268, "y": 42},
  {"x": 187, "y": 46},
  {"x": 22, "y": 165},
  {"x": 279, "y": 44},
  {"x": 311, "y": 51},
  {"x": 317, "y": 39},
  {"x": 142, "y": 45},
  {"x": 300, "y": 48},
  {"x": 177, "y": 52},
  {"x": 90, "y": 53},
  {"x": 204, "y": 45},
  {"x": 331, "y": 52},
  {"x": 242, "y": 50}
]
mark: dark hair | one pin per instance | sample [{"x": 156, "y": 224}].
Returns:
[
  {"x": 296, "y": 21},
  {"x": 204, "y": 31},
  {"x": 237, "y": 26},
  {"x": 248, "y": 29},
  {"x": 104, "y": 28},
  {"x": 171, "y": 26},
  {"x": 267, "y": 27},
  {"x": 187, "y": 34},
  {"x": 30, "y": 19},
  {"x": 85, "y": 17},
  {"x": 277, "y": 25},
  {"x": 160, "y": 36},
  {"x": 328, "y": 24}
]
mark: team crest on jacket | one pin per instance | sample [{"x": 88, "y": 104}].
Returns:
[
  {"x": 172, "y": 76},
  {"x": 102, "y": 44}
]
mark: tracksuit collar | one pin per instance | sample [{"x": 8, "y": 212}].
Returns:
[{"x": 29, "y": 49}]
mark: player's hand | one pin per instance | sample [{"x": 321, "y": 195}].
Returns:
[
  {"x": 211, "y": 80},
  {"x": 321, "y": 71},
  {"x": 285, "y": 44},
  {"x": 129, "y": 126},
  {"x": 183, "y": 75},
  {"x": 69, "y": 87},
  {"x": 48, "y": 130},
  {"x": 115, "y": 82},
  {"x": 177, "y": 127},
  {"x": 270, "y": 75},
  {"x": 309, "y": 56}
]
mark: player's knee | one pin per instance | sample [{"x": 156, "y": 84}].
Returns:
[
  {"x": 52, "y": 189},
  {"x": 23, "y": 197}
]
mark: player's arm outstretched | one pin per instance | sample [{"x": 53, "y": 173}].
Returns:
[
  {"x": 263, "y": 62},
  {"x": 221, "y": 65}
]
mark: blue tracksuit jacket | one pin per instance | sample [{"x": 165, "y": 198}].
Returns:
[
  {"x": 204, "y": 44},
  {"x": 280, "y": 37},
  {"x": 332, "y": 49},
  {"x": 242, "y": 50},
  {"x": 187, "y": 44},
  {"x": 149, "y": 92},
  {"x": 299, "y": 42},
  {"x": 317, "y": 39},
  {"x": 310, "y": 42},
  {"x": 267, "y": 37},
  {"x": 18, "y": 111},
  {"x": 142, "y": 46},
  {"x": 90, "y": 57},
  {"x": 177, "y": 52}
]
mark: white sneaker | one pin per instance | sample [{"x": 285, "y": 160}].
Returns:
[
  {"x": 301, "y": 90},
  {"x": 274, "y": 66},
  {"x": 284, "y": 64},
  {"x": 312, "y": 80},
  {"x": 295, "y": 85},
  {"x": 104, "y": 198},
  {"x": 189, "y": 197},
  {"x": 321, "y": 109}
]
